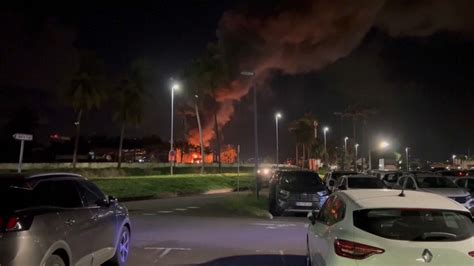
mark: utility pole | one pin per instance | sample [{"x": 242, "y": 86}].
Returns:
[{"x": 255, "y": 130}]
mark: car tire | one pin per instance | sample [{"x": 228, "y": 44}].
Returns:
[
  {"x": 55, "y": 260},
  {"x": 122, "y": 250}
]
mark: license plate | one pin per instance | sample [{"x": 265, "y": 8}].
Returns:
[{"x": 304, "y": 204}]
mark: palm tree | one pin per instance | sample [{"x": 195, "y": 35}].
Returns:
[
  {"x": 303, "y": 129},
  {"x": 85, "y": 91},
  {"x": 210, "y": 72},
  {"x": 131, "y": 94}
]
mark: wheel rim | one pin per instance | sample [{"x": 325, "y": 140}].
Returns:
[{"x": 124, "y": 245}]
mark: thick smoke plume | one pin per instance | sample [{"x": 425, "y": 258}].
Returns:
[{"x": 303, "y": 36}]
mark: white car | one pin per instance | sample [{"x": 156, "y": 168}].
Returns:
[{"x": 387, "y": 227}]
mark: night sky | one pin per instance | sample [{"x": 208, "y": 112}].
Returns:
[{"x": 421, "y": 82}]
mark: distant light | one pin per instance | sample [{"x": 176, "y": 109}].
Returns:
[
  {"x": 175, "y": 86},
  {"x": 278, "y": 115},
  {"x": 247, "y": 73},
  {"x": 326, "y": 129},
  {"x": 384, "y": 144},
  {"x": 357, "y": 145},
  {"x": 407, "y": 148},
  {"x": 454, "y": 156},
  {"x": 346, "y": 138}
]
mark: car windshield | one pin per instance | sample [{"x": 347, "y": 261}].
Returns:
[
  {"x": 415, "y": 224},
  {"x": 365, "y": 182},
  {"x": 435, "y": 182},
  {"x": 301, "y": 179}
]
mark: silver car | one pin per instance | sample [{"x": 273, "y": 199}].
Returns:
[
  {"x": 60, "y": 219},
  {"x": 436, "y": 184}
]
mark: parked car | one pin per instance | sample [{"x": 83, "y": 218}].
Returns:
[
  {"x": 60, "y": 219},
  {"x": 348, "y": 182},
  {"x": 380, "y": 227},
  {"x": 390, "y": 178},
  {"x": 296, "y": 191},
  {"x": 436, "y": 184},
  {"x": 452, "y": 173},
  {"x": 330, "y": 179},
  {"x": 467, "y": 183}
]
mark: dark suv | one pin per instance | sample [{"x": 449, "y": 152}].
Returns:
[
  {"x": 60, "y": 219},
  {"x": 296, "y": 191}
]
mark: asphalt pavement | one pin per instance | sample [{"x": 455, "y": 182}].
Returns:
[{"x": 186, "y": 231}]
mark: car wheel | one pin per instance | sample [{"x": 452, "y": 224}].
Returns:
[
  {"x": 55, "y": 260},
  {"x": 123, "y": 249}
]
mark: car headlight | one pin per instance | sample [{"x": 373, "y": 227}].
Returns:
[
  {"x": 323, "y": 193},
  {"x": 284, "y": 193},
  {"x": 266, "y": 171}
]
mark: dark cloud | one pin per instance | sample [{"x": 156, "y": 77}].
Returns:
[{"x": 35, "y": 54}]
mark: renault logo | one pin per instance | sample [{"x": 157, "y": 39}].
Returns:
[{"x": 427, "y": 255}]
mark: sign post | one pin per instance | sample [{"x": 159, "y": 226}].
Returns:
[{"x": 22, "y": 138}]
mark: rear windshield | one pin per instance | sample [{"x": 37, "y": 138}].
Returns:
[
  {"x": 365, "y": 182},
  {"x": 415, "y": 224},
  {"x": 301, "y": 179},
  {"x": 435, "y": 182},
  {"x": 14, "y": 197}
]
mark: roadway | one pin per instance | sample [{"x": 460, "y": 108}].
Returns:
[{"x": 189, "y": 231}]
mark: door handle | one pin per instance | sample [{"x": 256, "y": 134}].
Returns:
[{"x": 70, "y": 222}]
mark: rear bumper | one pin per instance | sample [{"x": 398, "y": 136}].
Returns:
[{"x": 20, "y": 249}]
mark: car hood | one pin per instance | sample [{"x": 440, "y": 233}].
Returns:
[
  {"x": 304, "y": 189},
  {"x": 448, "y": 192}
]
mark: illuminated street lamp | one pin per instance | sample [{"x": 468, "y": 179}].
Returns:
[
  {"x": 382, "y": 146},
  {"x": 345, "y": 153},
  {"x": 172, "y": 154},
  {"x": 356, "y": 146},
  {"x": 277, "y": 117},
  {"x": 325, "y": 131},
  {"x": 454, "y": 157},
  {"x": 345, "y": 144}
]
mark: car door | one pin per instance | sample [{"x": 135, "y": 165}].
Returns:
[
  {"x": 103, "y": 219},
  {"x": 79, "y": 234},
  {"x": 321, "y": 237}
]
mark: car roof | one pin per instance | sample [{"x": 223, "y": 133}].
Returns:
[
  {"x": 386, "y": 198},
  {"x": 361, "y": 176},
  {"x": 37, "y": 177}
]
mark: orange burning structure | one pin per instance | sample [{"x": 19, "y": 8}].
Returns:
[{"x": 193, "y": 156}]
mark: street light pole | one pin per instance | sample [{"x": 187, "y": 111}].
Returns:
[
  {"x": 172, "y": 154},
  {"x": 326, "y": 159},
  {"x": 454, "y": 157},
  {"x": 255, "y": 130},
  {"x": 345, "y": 153},
  {"x": 277, "y": 117},
  {"x": 406, "y": 154},
  {"x": 355, "y": 159}
]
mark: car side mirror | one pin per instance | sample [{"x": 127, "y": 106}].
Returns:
[
  {"x": 103, "y": 202},
  {"x": 312, "y": 217}
]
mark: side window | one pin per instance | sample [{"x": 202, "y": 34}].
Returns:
[
  {"x": 470, "y": 184},
  {"x": 401, "y": 181},
  {"x": 461, "y": 182},
  {"x": 90, "y": 193},
  {"x": 62, "y": 193},
  {"x": 410, "y": 184},
  {"x": 333, "y": 211}
]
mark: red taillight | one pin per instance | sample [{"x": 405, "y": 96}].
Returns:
[
  {"x": 471, "y": 254},
  {"x": 16, "y": 223},
  {"x": 353, "y": 250}
]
